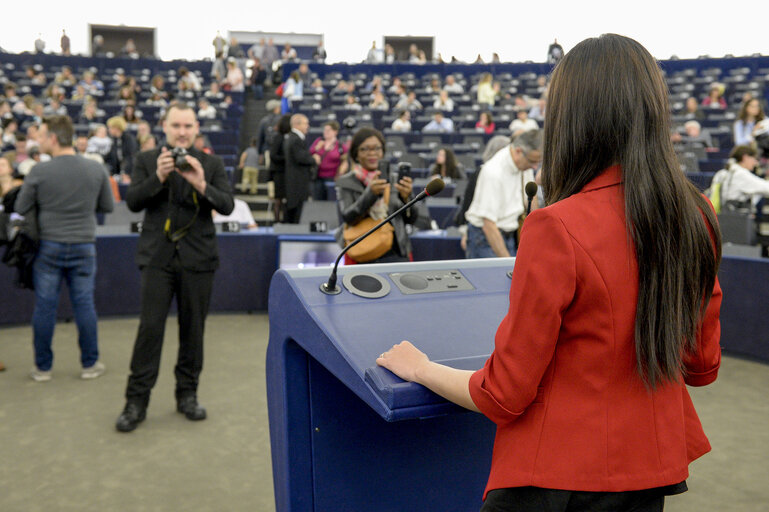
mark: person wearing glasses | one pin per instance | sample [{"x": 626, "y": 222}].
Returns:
[
  {"x": 361, "y": 193},
  {"x": 499, "y": 199},
  {"x": 613, "y": 305}
]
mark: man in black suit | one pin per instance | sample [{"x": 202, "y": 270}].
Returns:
[
  {"x": 299, "y": 167},
  {"x": 177, "y": 255}
]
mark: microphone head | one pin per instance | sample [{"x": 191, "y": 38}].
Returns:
[
  {"x": 434, "y": 187},
  {"x": 531, "y": 189}
]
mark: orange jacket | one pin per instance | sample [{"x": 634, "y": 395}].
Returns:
[{"x": 562, "y": 386}]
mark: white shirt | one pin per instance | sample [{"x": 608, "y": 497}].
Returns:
[
  {"x": 528, "y": 124},
  {"x": 401, "y": 125},
  {"x": 499, "y": 195},
  {"x": 241, "y": 214},
  {"x": 739, "y": 184}
]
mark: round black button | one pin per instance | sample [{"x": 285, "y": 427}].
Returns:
[{"x": 366, "y": 283}]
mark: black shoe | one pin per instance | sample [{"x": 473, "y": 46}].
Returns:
[
  {"x": 132, "y": 415},
  {"x": 189, "y": 407}
]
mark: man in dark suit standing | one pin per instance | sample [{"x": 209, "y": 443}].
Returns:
[
  {"x": 177, "y": 255},
  {"x": 299, "y": 167}
]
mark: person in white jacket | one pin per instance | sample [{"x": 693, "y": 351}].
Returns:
[{"x": 738, "y": 183}]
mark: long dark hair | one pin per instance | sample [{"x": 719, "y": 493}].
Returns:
[
  {"x": 608, "y": 104},
  {"x": 450, "y": 165}
]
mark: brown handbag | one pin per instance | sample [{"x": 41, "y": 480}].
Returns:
[{"x": 376, "y": 244}]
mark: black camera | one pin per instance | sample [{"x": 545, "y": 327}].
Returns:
[
  {"x": 404, "y": 170},
  {"x": 180, "y": 160}
]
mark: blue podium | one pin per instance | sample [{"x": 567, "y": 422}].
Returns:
[{"x": 347, "y": 435}]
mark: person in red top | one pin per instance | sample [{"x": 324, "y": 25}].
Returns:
[
  {"x": 614, "y": 305},
  {"x": 486, "y": 122},
  {"x": 328, "y": 151}
]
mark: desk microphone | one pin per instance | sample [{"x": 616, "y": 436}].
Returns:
[
  {"x": 432, "y": 188},
  {"x": 531, "y": 191}
]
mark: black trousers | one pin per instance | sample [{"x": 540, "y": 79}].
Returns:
[
  {"x": 293, "y": 214},
  {"x": 535, "y": 499},
  {"x": 193, "y": 295}
]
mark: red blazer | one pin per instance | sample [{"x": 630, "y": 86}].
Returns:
[{"x": 562, "y": 386}]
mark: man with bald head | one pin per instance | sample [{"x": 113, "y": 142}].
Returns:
[{"x": 299, "y": 167}]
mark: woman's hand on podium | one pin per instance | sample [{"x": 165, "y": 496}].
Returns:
[
  {"x": 403, "y": 360},
  {"x": 409, "y": 363}
]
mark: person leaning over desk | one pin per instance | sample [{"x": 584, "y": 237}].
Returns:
[{"x": 614, "y": 305}]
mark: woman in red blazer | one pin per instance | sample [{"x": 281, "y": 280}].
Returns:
[{"x": 614, "y": 305}]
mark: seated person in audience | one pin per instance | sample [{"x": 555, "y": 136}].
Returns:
[
  {"x": 234, "y": 50},
  {"x": 11, "y": 95},
  {"x": 522, "y": 123},
  {"x": 156, "y": 100},
  {"x": 53, "y": 91},
  {"x": 410, "y": 102},
  {"x": 187, "y": 80},
  {"x": 35, "y": 77},
  {"x": 24, "y": 107},
  {"x": 214, "y": 92},
  {"x": 446, "y": 167},
  {"x": 147, "y": 142},
  {"x": 99, "y": 142},
  {"x": 478, "y": 59},
  {"x": 158, "y": 87},
  {"x": 90, "y": 113},
  {"x": 10, "y": 129},
  {"x": 395, "y": 86},
  {"x": 351, "y": 103},
  {"x": 65, "y": 77},
  {"x": 91, "y": 84},
  {"x": 119, "y": 79},
  {"x": 485, "y": 94},
  {"x": 234, "y": 81},
  {"x": 374, "y": 84},
  {"x": 485, "y": 122},
  {"x": 434, "y": 87},
  {"x": 34, "y": 158},
  {"x": 129, "y": 49},
  {"x": 206, "y": 110},
  {"x": 7, "y": 181},
  {"x": 452, "y": 86},
  {"x": 78, "y": 94},
  {"x": 495, "y": 58},
  {"x": 316, "y": 87},
  {"x": 439, "y": 124},
  {"x": 131, "y": 116},
  {"x": 241, "y": 214},
  {"x": 537, "y": 112},
  {"x": 403, "y": 122},
  {"x": 422, "y": 57},
  {"x": 32, "y": 129},
  {"x": 738, "y": 182},
  {"x": 379, "y": 102},
  {"x": 694, "y": 134},
  {"x": 202, "y": 144},
  {"x": 692, "y": 110},
  {"x": 715, "y": 97},
  {"x": 19, "y": 152},
  {"x": 750, "y": 115},
  {"x": 126, "y": 94},
  {"x": 81, "y": 147},
  {"x": 443, "y": 102},
  {"x": 340, "y": 89}
]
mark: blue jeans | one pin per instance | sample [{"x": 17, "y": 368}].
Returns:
[
  {"x": 76, "y": 263},
  {"x": 478, "y": 246}
]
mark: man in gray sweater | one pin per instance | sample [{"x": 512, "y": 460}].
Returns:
[{"x": 67, "y": 191}]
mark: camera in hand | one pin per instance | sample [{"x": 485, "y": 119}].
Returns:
[
  {"x": 404, "y": 170},
  {"x": 180, "y": 160}
]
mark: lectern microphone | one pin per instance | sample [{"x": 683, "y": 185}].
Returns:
[
  {"x": 531, "y": 191},
  {"x": 432, "y": 188}
]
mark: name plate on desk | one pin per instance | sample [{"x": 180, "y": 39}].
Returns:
[
  {"x": 136, "y": 227},
  {"x": 228, "y": 227}
]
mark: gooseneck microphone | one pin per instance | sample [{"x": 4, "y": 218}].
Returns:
[
  {"x": 432, "y": 188},
  {"x": 531, "y": 191}
]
